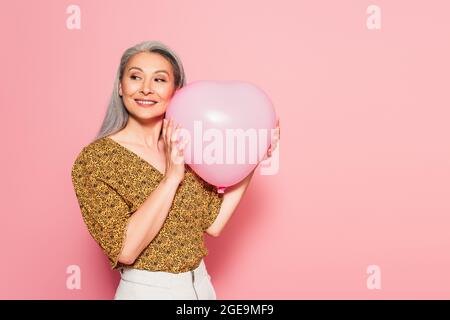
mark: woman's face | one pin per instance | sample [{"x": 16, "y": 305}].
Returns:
[{"x": 147, "y": 85}]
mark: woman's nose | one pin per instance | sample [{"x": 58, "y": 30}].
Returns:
[{"x": 146, "y": 88}]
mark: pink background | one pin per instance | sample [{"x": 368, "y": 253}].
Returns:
[{"x": 364, "y": 173}]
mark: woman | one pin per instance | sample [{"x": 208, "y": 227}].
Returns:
[{"x": 147, "y": 210}]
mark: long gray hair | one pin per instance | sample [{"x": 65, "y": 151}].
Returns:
[{"x": 116, "y": 116}]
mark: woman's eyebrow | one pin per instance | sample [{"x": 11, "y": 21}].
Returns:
[
  {"x": 143, "y": 70},
  {"x": 162, "y": 71},
  {"x": 136, "y": 68}
]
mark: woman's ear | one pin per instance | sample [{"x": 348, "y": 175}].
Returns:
[{"x": 120, "y": 88}]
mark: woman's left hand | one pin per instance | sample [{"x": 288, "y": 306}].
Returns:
[{"x": 275, "y": 140}]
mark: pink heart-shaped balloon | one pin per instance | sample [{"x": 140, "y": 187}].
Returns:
[{"x": 229, "y": 124}]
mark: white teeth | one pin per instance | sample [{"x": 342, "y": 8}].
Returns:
[{"x": 145, "y": 102}]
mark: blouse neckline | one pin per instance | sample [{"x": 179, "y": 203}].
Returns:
[{"x": 152, "y": 167}]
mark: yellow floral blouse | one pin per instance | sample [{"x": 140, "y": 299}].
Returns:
[{"x": 111, "y": 182}]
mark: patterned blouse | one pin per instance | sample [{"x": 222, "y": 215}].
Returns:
[{"x": 111, "y": 182}]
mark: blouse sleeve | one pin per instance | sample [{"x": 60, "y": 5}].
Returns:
[
  {"x": 213, "y": 207},
  {"x": 103, "y": 210}
]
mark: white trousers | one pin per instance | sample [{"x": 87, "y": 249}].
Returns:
[{"x": 136, "y": 284}]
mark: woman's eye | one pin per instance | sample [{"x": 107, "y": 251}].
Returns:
[
  {"x": 163, "y": 80},
  {"x": 134, "y": 77}
]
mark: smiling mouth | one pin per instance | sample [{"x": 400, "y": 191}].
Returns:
[{"x": 145, "y": 102}]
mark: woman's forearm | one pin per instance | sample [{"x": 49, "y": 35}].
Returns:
[
  {"x": 234, "y": 194},
  {"x": 231, "y": 199},
  {"x": 145, "y": 223}
]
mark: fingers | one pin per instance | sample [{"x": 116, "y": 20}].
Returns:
[
  {"x": 177, "y": 153},
  {"x": 275, "y": 139},
  {"x": 174, "y": 137},
  {"x": 169, "y": 131},
  {"x": 164, "y": 130},
  {"x": 171, "y": 137},
  {"x": 182, "y": 145},
  {"x": 277, "y": 131}
]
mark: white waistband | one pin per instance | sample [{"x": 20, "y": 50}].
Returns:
[{"x": 162, "y": 278}]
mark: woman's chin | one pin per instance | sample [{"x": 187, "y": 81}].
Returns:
[{"x": 148, "y": 115}]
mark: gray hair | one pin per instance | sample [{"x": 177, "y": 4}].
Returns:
[{"x": 116, "y": 116}]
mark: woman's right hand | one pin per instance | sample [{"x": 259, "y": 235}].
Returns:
[{"x": 174, "y": 152}]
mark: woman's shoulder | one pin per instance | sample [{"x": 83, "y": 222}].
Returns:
[{"x": 91, "y": 155}]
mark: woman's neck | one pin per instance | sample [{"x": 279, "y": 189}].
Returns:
[{"x": 146, "y": 134}]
